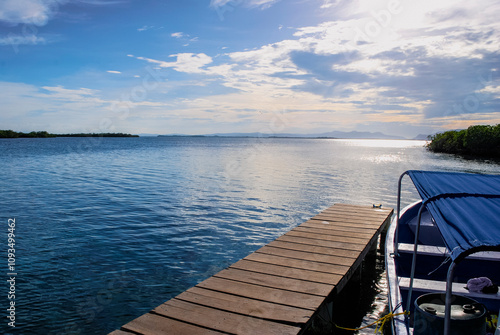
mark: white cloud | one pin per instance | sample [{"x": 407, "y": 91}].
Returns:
[
  {"x": 186, "y": 62},
  {"x": 111, "y": 71},
  {"x": 61, "y": 93},
  {"x": 219, "y": 3},
  {"x": 39, "y": 12},
  {"x": 177, "y": 34},
  {"x": 144, "y": 28},
  {"x": 36, "y": 12},
  {"x": 101, "y": 2},
  {"x": 326, "y": 4},
  {"x": 15, "y": 40},
  {"x": 263, "y": 4}
]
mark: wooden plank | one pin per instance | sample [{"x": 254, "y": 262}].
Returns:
[
  {"x": 351, "y": 207},
  {"x": 361, "y": 222},
  {"x": 313, "y": 249},
  {"x": 354, "y": 206},
  {"x": 440, "y": 286},
  {"x": 329, "y": 259},
  {"x": 246, "y": 306},
  {"x": 152, "y": 324},
  {"x": 322, "y": 243},
  {"x": 220, "y": 320},
  {"x": 283, "y": 283},
  {"x": 432, "y": 250},
  {"x": 331, "y": 223},
  {"x": 288, "y": 272},
  {"x": 359, "y": 211},
  {"x": 340, "y": 225},
  {"x": 347, "y": 229},
  {"x": 263, "y": 293},
  {"x": 335, "y": 232},
  {"x": 333, "y": 238},
  {"x": 299, "y": 264},
  {"x": 353, "y": 216},
  {"x": 340, "y": 222}
]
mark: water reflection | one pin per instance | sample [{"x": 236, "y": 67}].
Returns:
[{"x": 380, "y": 143}]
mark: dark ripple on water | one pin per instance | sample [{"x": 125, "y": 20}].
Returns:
[{"x": 108, "y": 230}]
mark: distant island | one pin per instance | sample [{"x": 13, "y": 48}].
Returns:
[
  {"x": 44, "y": 134},
  {"x": 481, "y": 140}
]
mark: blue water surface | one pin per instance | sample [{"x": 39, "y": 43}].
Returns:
[{"x": 109, "y": 228}]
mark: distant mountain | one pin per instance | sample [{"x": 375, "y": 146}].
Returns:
[
  {"x": 360, "y": 135},
  {"x": 421, "y": 137},
  {"x": 331, "y": 134},
  {"x": 146, "y": 135},
  {"x": 258, "y": 134}
]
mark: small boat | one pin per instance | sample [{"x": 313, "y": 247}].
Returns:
[{"x": 442, "y": 255}]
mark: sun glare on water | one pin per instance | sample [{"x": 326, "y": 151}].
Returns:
[{"x": 376, "y": 143}]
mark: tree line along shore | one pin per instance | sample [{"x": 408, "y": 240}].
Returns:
[
  {"x": 44, "y": 134},
  {"x": 480, "y": 140}
]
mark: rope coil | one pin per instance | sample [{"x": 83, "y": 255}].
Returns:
[{"x": 380, "y": 323}]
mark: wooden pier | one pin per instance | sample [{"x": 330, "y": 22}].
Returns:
[{"x": 278, "y": 288}]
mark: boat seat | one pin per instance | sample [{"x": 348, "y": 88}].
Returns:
[
  {"x": 435, "y": 286},
  {"x": 431, "y": 250}
]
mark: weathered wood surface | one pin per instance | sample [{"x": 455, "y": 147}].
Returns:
[{"x": 278, "y": 288}]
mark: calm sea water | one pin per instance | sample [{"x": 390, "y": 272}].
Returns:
[{"x": 107, "y": 229}]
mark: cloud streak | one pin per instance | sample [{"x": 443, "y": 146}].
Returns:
[
  {"x": 13, "y": 39},
  {"x": 263, "y": 4},
  {"x": 185, "y": 62}
]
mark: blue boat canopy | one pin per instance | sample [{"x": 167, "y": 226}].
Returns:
[{"x": 465, "y": 206}]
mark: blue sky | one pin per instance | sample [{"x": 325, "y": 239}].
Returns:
[{"x": 208, "y": 66}]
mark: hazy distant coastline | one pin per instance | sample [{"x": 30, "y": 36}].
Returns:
[
  {"x": 44, "y": 134},
  {"x": 328, "y": 135}
]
